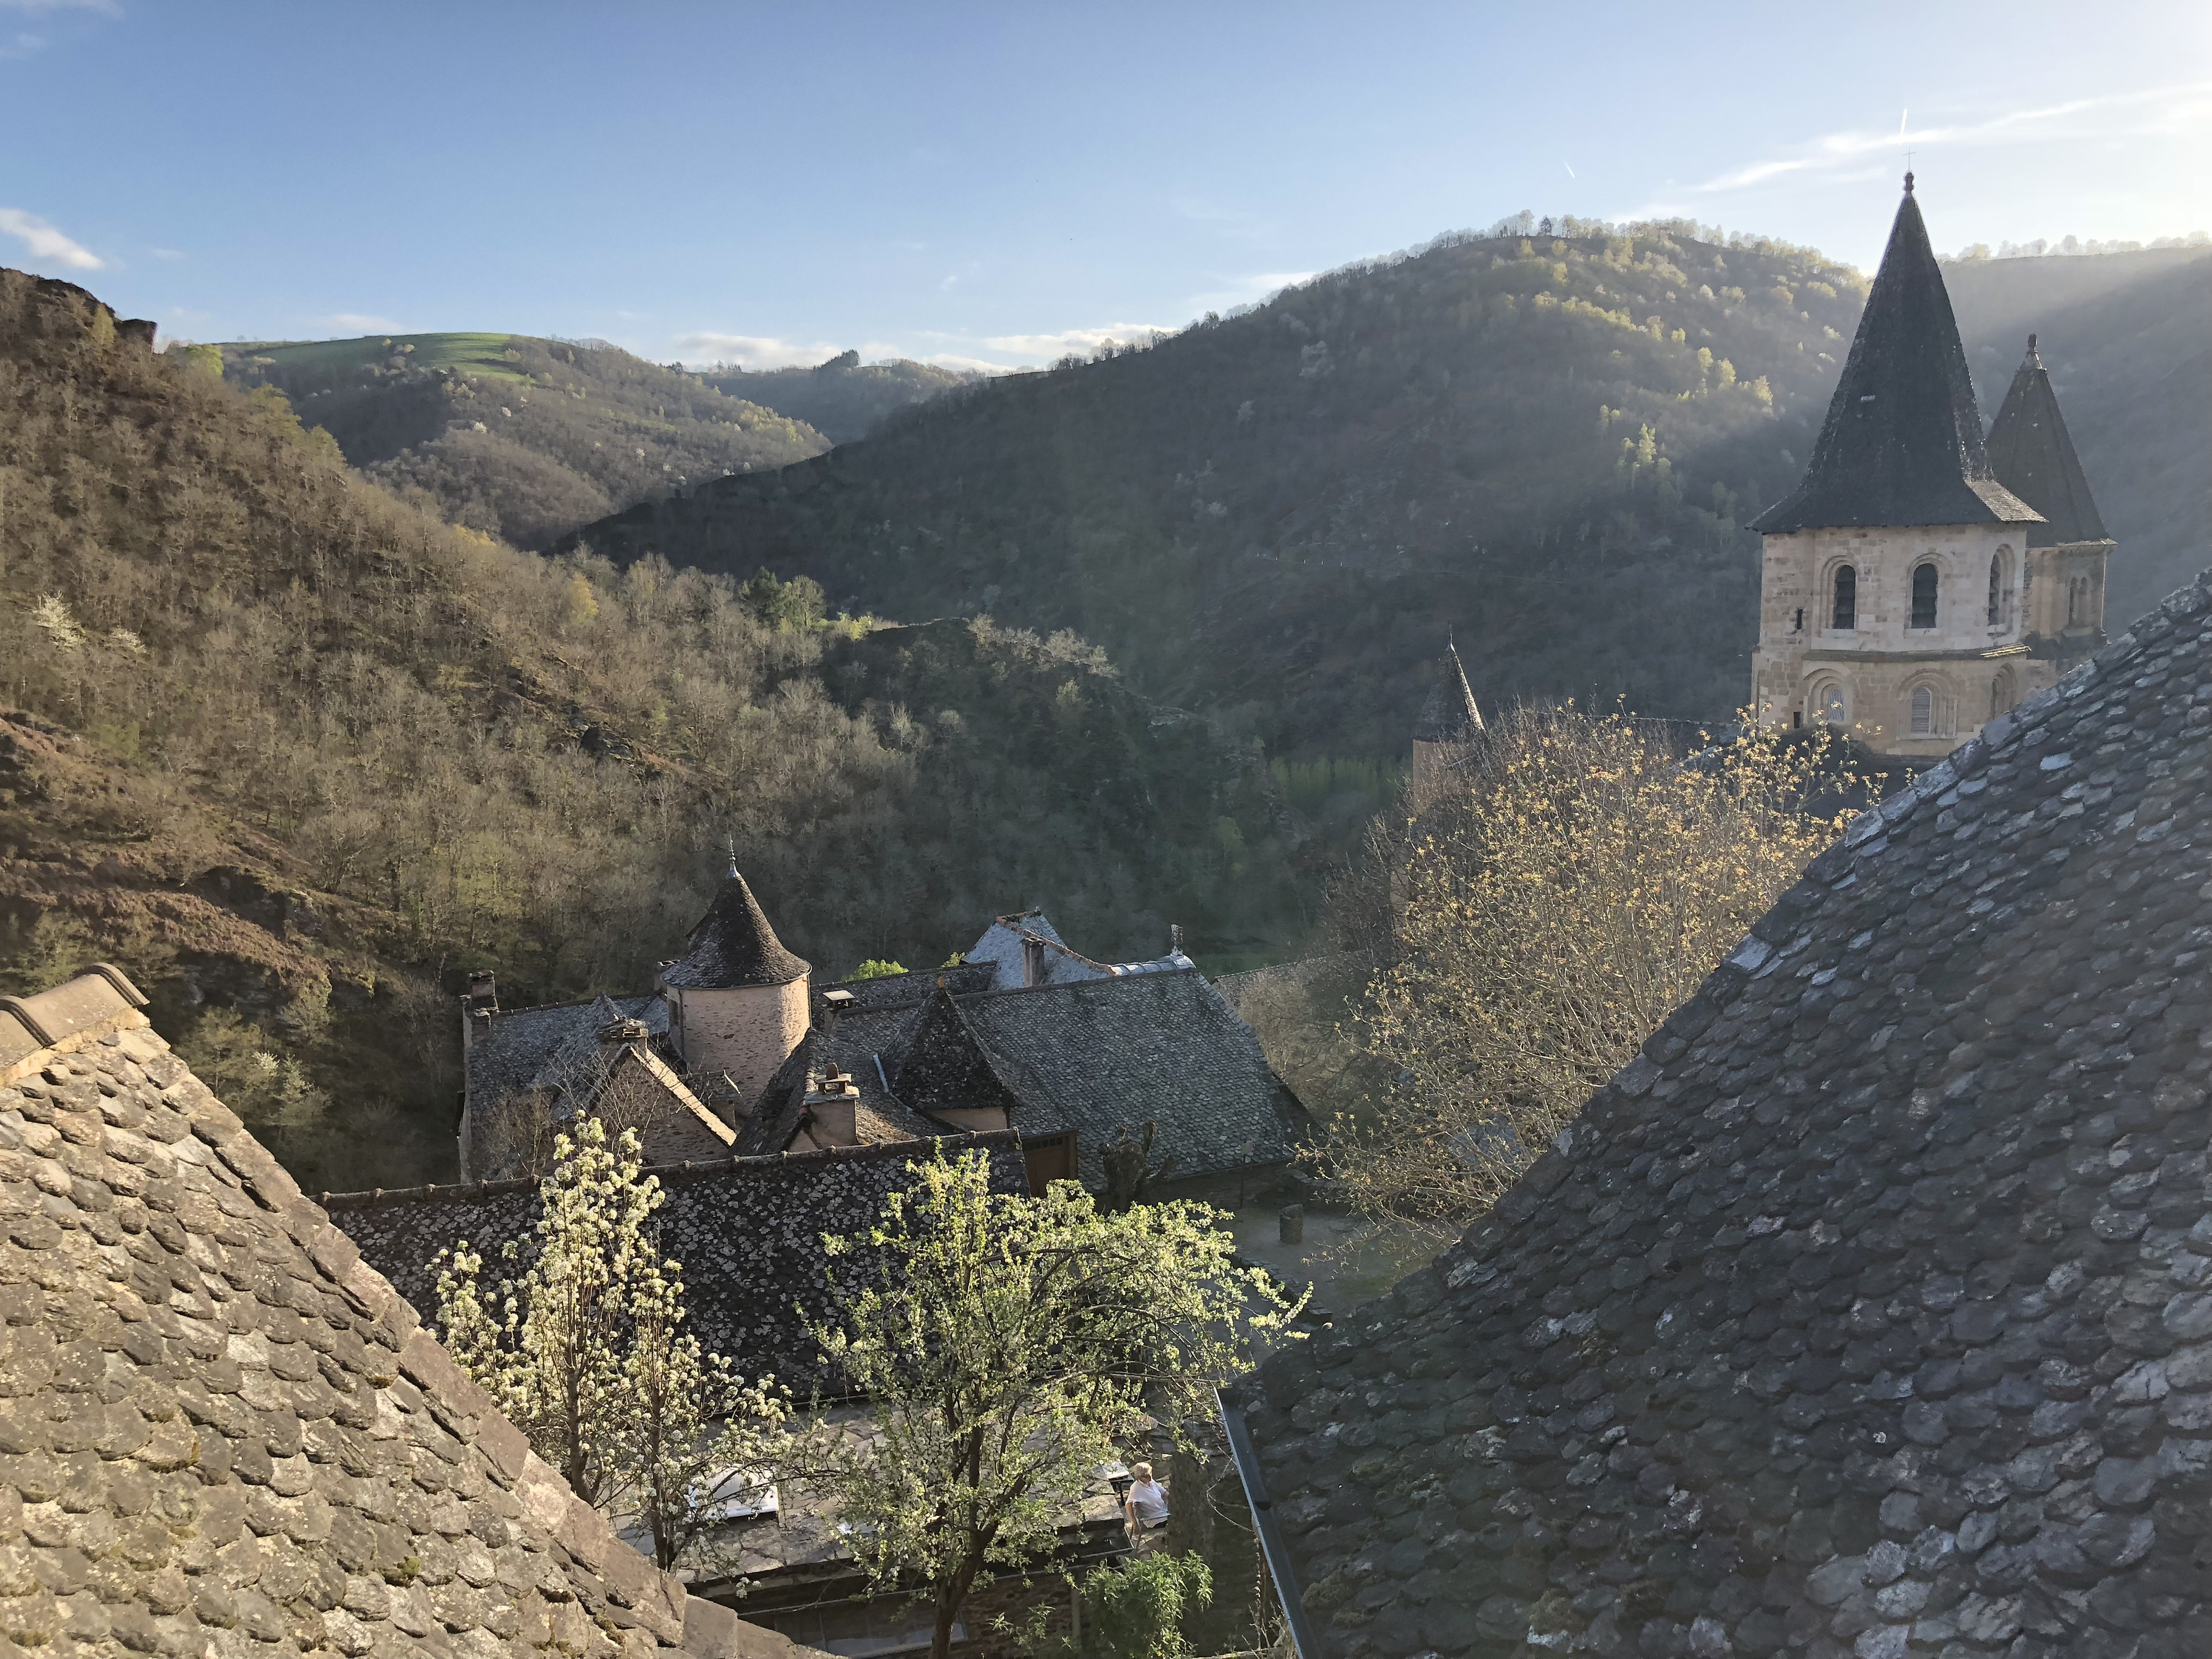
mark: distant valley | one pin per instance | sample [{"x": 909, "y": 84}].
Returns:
[{"x": 1547, "y": 447}]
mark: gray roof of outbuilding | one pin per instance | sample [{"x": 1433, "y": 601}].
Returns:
[
  {"x": 1870, "y": 1310},
  {"x": 2033, "y": 455},
  {"x": 221, "y": 1430},
  {"x": 747, "y": 1231},
  {"x": 1902, "y": 444},
  {"x": 733, "y": 945}
]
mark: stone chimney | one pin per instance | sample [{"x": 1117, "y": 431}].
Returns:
[
  {"x": 1032, "y": 959},
  {"x": 833, "y": 1101},
  {"x": 835, "y": 1005},
  {"x": 621, "y": 1033},
  {"x": 478, "y": 1005}
]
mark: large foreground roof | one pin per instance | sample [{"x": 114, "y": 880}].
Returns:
[
  {"x": 1868, "y": 1312},
  {"x": 221, "y": 1432}
]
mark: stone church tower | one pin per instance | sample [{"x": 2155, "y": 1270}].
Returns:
[
  {"x": 736, "y": 999},
  {"x": 1920, "y": 582}
]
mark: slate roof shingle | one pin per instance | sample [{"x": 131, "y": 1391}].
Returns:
[
  {"x": 1092, "y": 1055},
  {"x": 747, "y": 1231},
  {"x": 222, "y": 1432},
  {"x": 513, "y": 1049},
  {"x": 1902, "y": 443},
  {"x": 2033, "y": 455},
  {"x": 1868, "y": 1311}
]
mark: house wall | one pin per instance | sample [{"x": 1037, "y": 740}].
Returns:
[
  {"x": 748, "y": 1031},
  {"x": 1806, "y": 671}
]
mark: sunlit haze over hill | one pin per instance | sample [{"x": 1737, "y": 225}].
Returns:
[{"x": 994, "y": 185}]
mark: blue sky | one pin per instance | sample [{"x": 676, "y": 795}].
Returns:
[{"x": 999, "y": 184}]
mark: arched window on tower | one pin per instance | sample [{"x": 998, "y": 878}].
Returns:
[
  {"x": 1833, "y": 707},
  {"x": 1996, "y": 590},
  {"x": 1923, "y": 711},
  {"x": 2077, "y": 601},
  {"x": 1846, "y": 611},
  {"x": 1923, "y": 596}
]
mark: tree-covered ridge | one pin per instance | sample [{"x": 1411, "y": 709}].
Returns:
[
  {"x": 520, "y": 438},
  {"x": 1547, "y": 443},
  {"x": 843, "y": 398},
  {"x": 297, "y": 754}
]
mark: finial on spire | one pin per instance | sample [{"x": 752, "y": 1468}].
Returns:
[
  {"x": 1908, "y": 181},
  {"x": 731, "y": 874}
]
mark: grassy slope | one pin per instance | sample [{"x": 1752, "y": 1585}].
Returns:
[{"x": 297, "y": 755}]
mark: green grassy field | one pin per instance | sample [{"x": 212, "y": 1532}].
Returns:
[{"x": 474, "y": 355}]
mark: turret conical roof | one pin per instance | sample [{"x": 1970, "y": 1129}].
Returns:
[
  {"x": 733, "y": 946},
  {"x": 2033, "y": 456},
  {"x": 1450, "y": 714},
  {"x": 1903, "y": 440}
]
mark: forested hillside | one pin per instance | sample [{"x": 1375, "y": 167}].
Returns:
[
  {"x": 520, "y": 438},
  {"x": 843, "y": 398},
  {"x": 2128, "y": 339},
  {"x": 1548, "y": 444},
  {"x": 297, "y": 755}
]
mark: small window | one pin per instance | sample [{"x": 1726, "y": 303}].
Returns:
[
  {"x": 1831, "y": 707},
  {"x": 1923, "y": 708},
  {"x": 1996, "y": 591},
  {"x": 1846, "y": 614},
  {"x": 2077, "y": 601},
  {"x": 1923, "y": 596},
  {"x": 2000, "y": 696}
]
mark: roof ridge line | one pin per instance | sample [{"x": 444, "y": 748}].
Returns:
[{"x": 691, "y": 1168}]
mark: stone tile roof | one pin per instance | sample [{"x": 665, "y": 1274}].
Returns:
[
  {"x": 2033, "y": 455},
  {"x": 515, "y": 1048},
  {"x": 747, "y": 1231},
  {"x": 1902, "y": 444},
  {"x": 221, "y": 1432},
  {"x": 1868, "y": 1311},
  {"x": 733, "y": 945},
  {"x": 905, "y": 990}
]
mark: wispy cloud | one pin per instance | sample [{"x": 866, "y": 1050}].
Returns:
[
  {"x": 47, "y": 243},
  {"x": 39, "y": 8},
  {"x": 23, "y": 45},
  {"x": 754, "y": 351},
  {"x": 1049, "y": 347},
  {"x": 2164, "y": 111},
  {"x": 166, "y": 252},
  {"x": 361, "y": 322}
]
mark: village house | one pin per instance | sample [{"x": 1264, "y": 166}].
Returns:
[
  {"x": 1920, "y": 580},
  {"x": 222, "y": 1432},
  {"x": 734, "y": 1053},
  {"x": 1868, "y": 1311}
]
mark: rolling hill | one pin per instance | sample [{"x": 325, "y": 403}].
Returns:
[
  {"x": 520, "y": 438},
  {"x": 843, "y": 398},
  {"x": 1545, "y": 445},
  {"x": 297, "y": 754}
]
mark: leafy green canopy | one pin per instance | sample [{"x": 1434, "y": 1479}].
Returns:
[{"x": 1023, "y": 1342}]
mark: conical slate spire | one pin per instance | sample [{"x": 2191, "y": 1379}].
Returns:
[
  {"x": 2033, "y": 456},
  {"x": 733, "y": 946},
  {"x": 1449, "y": 713},
  {"x": 1903, "y": 440}
]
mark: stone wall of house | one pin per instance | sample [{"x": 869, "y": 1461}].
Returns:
[{"x": 747, "y": 1031}]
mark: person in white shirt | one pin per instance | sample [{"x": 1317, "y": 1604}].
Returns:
[{"x": 1147, "y": 1502}]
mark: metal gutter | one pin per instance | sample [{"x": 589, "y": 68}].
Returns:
[{"x": 1273, "y": 1548}]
